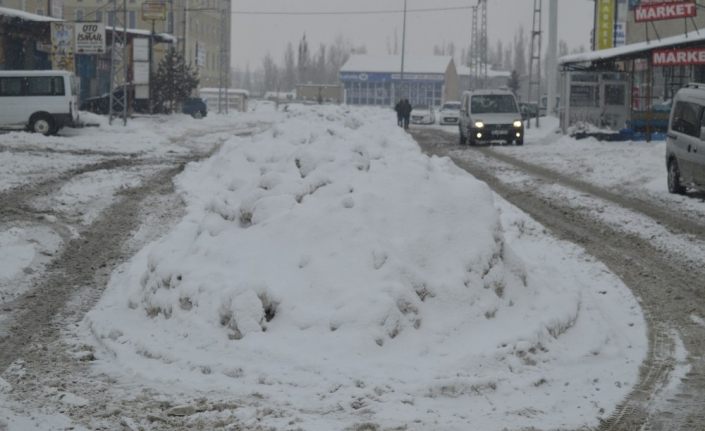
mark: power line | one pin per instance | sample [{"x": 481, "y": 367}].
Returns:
[{"x": 351, "y": 12}]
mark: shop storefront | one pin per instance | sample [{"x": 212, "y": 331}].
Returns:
[
  {"x": 25, "y": 40},
  {"x": 630, "y": 86}
]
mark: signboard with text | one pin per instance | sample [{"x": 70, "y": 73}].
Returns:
[
  {"x": 90, "y": 38},
  {"x": 647, "y": 12},
  {"x": 154, "y": 11},
  {"x": 56, "y": 8},
  {"x": 62, "y": 43},
  {"x": 605, "y": 24},
  {"x": 678, "y": 57}
]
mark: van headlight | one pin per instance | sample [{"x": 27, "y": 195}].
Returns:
[
  {"x": 517, "y": 123},
  {"x": 479, "y": 124}
]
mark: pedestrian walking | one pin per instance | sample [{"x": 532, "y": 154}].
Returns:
[
  {"x": 400, "y": 115},
  {"x": 406, "y": 112}
]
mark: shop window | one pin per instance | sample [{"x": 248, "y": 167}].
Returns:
[
  {"x": 584, "y": 96},
  {"x": 686, "y": 118},
  {"x": 615, "y": 95}
]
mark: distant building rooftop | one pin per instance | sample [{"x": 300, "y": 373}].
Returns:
[
  {"x": 491, "y": 73},
  {"x": 392, "y": 64}
]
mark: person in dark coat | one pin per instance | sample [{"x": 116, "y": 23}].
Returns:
[
  {"x": 400, "y": 115},
  {"x": 406, "y": 112}
]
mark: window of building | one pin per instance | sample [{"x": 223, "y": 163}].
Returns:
[
  {"x": 79, "y": 14},
  {"x": 99, "y": 16},
  {"x": 131, "y": 19},
  {"x": 615, "y": 95}
]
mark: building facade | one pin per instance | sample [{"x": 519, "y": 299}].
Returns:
[
  {"x": 631, "y": 87},
  {"x": 199, "y": 26},
  {"x": 53, "y": 8},
  {"x": 202, "y": 27},
  {"x": 377, "y": 80}
]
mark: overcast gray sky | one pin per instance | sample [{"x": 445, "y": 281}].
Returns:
[{"x": 255, "y": 35}]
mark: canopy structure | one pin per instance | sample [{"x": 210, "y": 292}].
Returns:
[{"x": 630, "y": 87}]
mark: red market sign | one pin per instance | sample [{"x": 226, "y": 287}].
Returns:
[
  {"x": 663, "y": 11},
  {"x": 679, "y": 57}
]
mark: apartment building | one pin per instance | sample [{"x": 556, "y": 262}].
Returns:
[
  {"x": 40, "y": 7},
  {"x": 198, "y": 25}
]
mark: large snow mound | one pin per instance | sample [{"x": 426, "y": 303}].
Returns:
[{"x": 328, "y": 265}]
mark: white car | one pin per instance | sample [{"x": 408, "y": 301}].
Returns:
[
  {"x": 423, "y": 115},
  {"x": 488, "y": 116},
  {"x": 449, "y": 113}
]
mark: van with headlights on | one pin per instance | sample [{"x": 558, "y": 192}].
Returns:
[
  {"x": 41, "y": 101},
  {"x": 490, "y": 116}
]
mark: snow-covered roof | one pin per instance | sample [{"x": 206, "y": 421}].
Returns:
[
  {"x": 216, "y": 91},
  {"x": 392, "y": 64},
  {"x": 26, "y": 16},
  {"x": 633, "y": 48},
  {"x": 161, "y": 37},
  {"x": 491, "y": 73}
]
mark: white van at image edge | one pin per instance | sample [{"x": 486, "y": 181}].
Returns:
[{"x": 42, "y": 101}]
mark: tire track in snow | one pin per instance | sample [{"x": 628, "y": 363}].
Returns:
[{"x": 669, "y": 290}]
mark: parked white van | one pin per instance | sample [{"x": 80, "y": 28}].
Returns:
[
  {"x": 42, "y": 101},
  {"x": 685, "y": 145}
]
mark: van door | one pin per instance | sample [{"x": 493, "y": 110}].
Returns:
[
  {"x": 11, "y": 98},
  {"x": 684, "y": 137},
  {"x": 699, "y": 155}
]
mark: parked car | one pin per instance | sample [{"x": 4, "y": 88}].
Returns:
[
  {"x": 195, "y": 107},
  {"x": 41, "y": 101},
  {"x": 685, "y": 141},
  {"x": 100, "y": 104},
  {"x": 490, "y": 116},
  {"x": 449, "y": 113},
  {"x": 423, "y": 114}
]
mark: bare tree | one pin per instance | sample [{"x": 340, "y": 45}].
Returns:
[
  {"x": 289, "y": 79},
  {"x": 271, "y": 74}
]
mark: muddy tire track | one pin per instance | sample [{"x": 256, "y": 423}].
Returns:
[{"x": 669, "y": 291}]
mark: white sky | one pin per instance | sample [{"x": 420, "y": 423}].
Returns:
[{"x": 255, "y": 35}]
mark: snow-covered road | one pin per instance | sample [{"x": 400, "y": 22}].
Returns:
[
  {"x": 322, "y": 273},
  {"x": 652, "y": 240}
]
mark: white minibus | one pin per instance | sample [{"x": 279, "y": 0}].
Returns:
[{"x": 42, "y": 101}]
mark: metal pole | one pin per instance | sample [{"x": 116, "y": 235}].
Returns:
[
  {"x": 183, "y": 34},
  {"x": 403, "y": 48},
  {"x": 552, "y": 54},
  {"x": 151, "y": 77}
]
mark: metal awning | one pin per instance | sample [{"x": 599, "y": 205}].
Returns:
[
  {"x": 634, "y": 50},
  {"x": 159, "y": 37},
  {"x": 6, "y": 12}
]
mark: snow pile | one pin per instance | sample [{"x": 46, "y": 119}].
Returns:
[{"x": 328, "y": 266}]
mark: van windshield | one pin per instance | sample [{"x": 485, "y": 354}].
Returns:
[{"x": 493, "y": 103}]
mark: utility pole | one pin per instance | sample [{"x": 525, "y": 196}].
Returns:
[
  {"x": 118, "y": 64},
  {"x": 552, "y": 56},
  {"x": 535, "y": 60},
  {"x": 224, "y": 76},
  {"x": 403, "y": 50}
]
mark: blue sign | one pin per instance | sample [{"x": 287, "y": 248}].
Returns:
[{"x": 365, "y": 77}]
